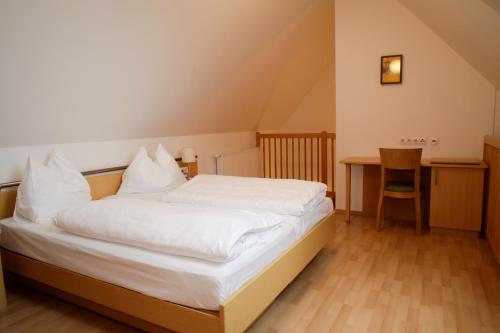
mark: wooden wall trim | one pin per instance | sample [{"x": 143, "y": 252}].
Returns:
[{"x": 492, "y": 194}]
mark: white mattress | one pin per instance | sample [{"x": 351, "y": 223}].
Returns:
[{"x": 183, "y": 280}]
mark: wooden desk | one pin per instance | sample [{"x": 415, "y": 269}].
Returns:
[{"x": 460, "y": 185}]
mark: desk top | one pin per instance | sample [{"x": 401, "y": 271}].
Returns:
[
  {"x": 469, "y": 163},
  {"x": 492, "y": 141}
]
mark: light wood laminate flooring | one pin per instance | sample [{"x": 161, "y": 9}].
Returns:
[{"x": 363, "y": 281}]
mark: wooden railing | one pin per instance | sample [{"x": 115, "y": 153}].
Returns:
[{"x": 305, "y": 156}]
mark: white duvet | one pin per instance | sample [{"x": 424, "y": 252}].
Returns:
[
  {"x": 202, "y": 232},
  {"x": 279, "y": 196}
]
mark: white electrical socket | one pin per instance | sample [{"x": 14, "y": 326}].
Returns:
[
  {"x": 434, "y": 141},
  {"x": 415, "y": 141},
  {"x": 402, "y": 140}
]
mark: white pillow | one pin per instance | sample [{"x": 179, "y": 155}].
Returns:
[
  {"x": 147, "y": 176},
  {"x": 47, "y": 189}
]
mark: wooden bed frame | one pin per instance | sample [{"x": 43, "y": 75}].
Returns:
[{"x": 149, "y": 313}]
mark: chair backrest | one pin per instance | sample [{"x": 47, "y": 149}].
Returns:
[{"x": 401, "y": 159}]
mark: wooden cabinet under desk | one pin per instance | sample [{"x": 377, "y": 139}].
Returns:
[
  {"x": 453, "y": 193},
  {"x": 456, "y": 198}
]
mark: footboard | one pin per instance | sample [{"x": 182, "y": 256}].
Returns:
[
  {"x": 243, "y": 307},
  {"x": 152, "y": 314}
]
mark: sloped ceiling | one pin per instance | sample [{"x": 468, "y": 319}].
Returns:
[
  {"x": 92, "y": 70},
  {"x": 316, "y": 112},
  {"x": 470, "y": 27},
  {"x": 495, "y": 4},
  {"x": 310, "y": 57}
]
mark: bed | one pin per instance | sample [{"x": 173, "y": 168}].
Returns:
[{"x": 227, "y": 298}]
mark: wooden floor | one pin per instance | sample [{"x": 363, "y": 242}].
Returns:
[{"x": 364, "y": 281}]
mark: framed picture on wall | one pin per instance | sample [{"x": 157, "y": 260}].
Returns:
[{"x": 391, "y": 69}]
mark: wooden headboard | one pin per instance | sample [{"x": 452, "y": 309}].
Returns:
[{"x": 102, "y": 183}]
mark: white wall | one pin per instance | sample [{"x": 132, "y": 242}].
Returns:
[
  {"x": 441, "y": 94},
  {"x": 243, "y": 163},
  {"x": 316, "y": 112},
  {"x": 97, "y": 155}
]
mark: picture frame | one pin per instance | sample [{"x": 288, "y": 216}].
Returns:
[{"x": 391, "y": 69}]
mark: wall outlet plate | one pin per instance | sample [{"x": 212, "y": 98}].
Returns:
[{"x": 413, "y": 141}]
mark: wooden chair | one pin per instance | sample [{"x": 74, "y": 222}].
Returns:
[{"x": 400, "y": 159}]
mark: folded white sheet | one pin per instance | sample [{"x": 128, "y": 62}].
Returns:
[
  {"x": 207, "y": 233},
  {"x": 279, "y": 196}
]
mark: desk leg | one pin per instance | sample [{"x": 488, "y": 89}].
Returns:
[
  {"x": 3, "y": 298},
  {"x": 348, "y": 192}
]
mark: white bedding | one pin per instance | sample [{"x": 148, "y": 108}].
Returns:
[
  {"x": 280, "y": 196},
  {"x": 145, "y": 196},
  {"x": 208, "y": 233},
  {"x": 182, "y": 280}
]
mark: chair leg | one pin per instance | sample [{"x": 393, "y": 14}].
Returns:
[
  {"x": 418, "y": 215},
  {"x": 380, "y": 212}
]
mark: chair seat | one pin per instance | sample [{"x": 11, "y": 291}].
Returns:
[
  {"x": 399, "y": 186},
  {"x": 404, "y": 161}
]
